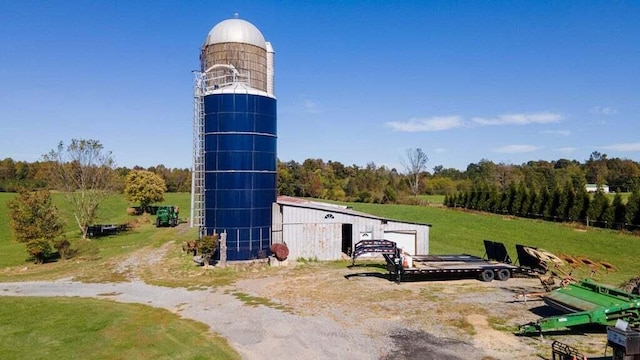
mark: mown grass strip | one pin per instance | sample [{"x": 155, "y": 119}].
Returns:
[{"x": 72, "y": 328}]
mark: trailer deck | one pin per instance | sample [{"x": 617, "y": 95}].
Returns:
[{"x": 432, "y": 267}]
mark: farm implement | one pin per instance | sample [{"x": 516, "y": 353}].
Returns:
[{"x": 586, "y": 302}]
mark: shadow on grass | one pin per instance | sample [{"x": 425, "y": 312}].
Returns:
[
  {"x": 373, "y": 265},
  {"x": 369, "y": 274}
]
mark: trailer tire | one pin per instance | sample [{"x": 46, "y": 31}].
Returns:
[
  {"x": 158, "y": 222},
  {"x": 503, "y": 274},
  {"x": 487, "y": 275}
]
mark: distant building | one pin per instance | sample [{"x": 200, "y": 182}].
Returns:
[{"x": 591, "y": 188}]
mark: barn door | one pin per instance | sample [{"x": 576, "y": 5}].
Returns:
[{"x": 347, "y": 238}]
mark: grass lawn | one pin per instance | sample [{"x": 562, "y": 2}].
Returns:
[
  {"x": 62, "y": 328},
  {"x": 72, "y": 328},
  {"x": 111, "y": 211}
]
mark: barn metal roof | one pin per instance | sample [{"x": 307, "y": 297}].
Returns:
[{"x": 336, "y": 208}]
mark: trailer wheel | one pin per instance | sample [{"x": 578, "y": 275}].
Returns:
[
  {"x": 503, "y": 274},
  {"x": 487, "y": 275},
  {"x": 158, "y": 222}
]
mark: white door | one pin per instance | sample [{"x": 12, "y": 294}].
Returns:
[{"x": 405, "y": 240}]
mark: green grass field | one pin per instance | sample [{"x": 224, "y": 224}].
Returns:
[
  {"x": 452, "y": 232},
  {"x": 72, "y": 328},
  {"x": 94, "y": 329},
  {"x": 456, "y": 231}
]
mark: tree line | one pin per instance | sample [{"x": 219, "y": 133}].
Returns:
[
  {"x": 566, "y": 204},
  {"x": 333, "y": 180},
  {"x": 16, "y": 175},
  {"x": 86, "y": 174}
]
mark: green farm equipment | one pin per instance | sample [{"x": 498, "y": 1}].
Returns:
[
  {"x": 167, "y": 215},
  {"x": 586, "y": 302}
]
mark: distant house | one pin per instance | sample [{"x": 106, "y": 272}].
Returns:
[{"x": 591, "y": 188}]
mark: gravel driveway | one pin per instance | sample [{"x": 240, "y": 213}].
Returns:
[
  {"x": 252, "y": 331},
  {"x": 335, "y": 318}
]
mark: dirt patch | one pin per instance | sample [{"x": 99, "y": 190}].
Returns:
[
  {"x": 415, "y": 344},
  {"x": 460, "y": 319}
]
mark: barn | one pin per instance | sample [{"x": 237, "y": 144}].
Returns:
[{"x": 322, "y": 231}]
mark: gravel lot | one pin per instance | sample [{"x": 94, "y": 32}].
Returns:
[{"x": 321, "y": 313}]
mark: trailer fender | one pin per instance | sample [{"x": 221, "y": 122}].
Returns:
[{"x": 487, "y": 275}]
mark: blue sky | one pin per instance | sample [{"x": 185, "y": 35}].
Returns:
[{"x": 356, "y": 81}]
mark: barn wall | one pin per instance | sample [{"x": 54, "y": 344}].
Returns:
[
  {"x": 317, "y": 233},
  {"x": 276, "y": 227},
  {"x": 313, "y": 241}
]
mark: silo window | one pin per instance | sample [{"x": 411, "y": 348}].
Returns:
[{"x": 329, "y": 216}]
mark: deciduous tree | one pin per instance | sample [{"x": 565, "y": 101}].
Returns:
[
  {"x": 144, "y": 187},
  {"x": 35, "y": 222},
  {"x": 84, "y": 171},
  {"x": 414, "y": 163}
]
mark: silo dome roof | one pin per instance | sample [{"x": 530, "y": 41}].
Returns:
[{"x": 235, "y": 30}]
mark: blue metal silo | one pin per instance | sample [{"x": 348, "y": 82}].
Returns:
[{"x": 235, "y": 133}]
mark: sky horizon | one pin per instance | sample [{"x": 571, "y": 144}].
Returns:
[{"x": 356, "y": 82}]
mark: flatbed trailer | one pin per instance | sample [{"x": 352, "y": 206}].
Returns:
[{"x": 440, "y": 267}]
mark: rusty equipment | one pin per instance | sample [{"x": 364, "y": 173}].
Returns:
[{"x": 280, "y": 251}]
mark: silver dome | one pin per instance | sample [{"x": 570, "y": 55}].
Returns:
[{"x": 236, "y": 31}]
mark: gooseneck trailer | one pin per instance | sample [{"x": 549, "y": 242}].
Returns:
[{"x": 439, "y": 267}]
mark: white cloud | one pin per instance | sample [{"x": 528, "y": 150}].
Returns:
[
  {"x": 557, "y": 132},
  {"x": 604, "y": 110},
  {"x": 438, "y": 123},
  {"x": 310, "y": 107},
  {"x": 632, "y": 147},
  {"x": 440, "y": 150},
  {"x": 567, "y": 150},
  {"x": 520, "y": 119},
  {"x": 516, "y": 149}
]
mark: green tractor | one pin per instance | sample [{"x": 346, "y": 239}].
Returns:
[{"x": 167, "y": 215}]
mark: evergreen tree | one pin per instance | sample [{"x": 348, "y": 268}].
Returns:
[
  {"x": 532, "y": 208},
  {"x": 633, "y": 209},
  {"x": 619, "y": 211},
  {"x": 524, "y": 200},
  {"x": 577, "y": 212},
  {"x": 511, "y": 198},
  {"x": 543, "y": 203},
  {"x": 494, "y": 200},
  {"x": 567, "y": 201},
  {"x": 556, "y": 203},
  {"x": 585, "y": 203},
  {"x": 597, "y": 209}
]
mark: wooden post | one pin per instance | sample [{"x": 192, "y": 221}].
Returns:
[{"x": 223, "y": 249}]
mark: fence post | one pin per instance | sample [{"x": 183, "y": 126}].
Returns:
[{"x": 223, "y": 249}]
